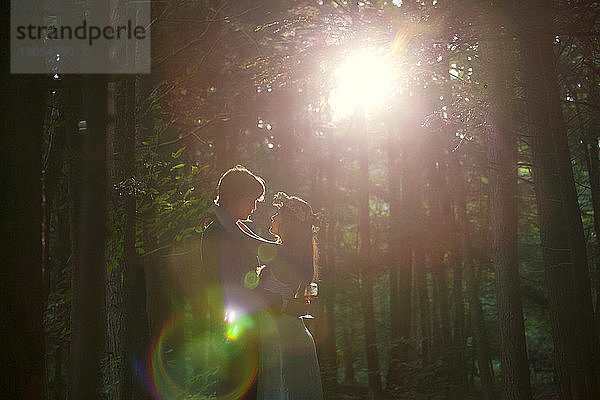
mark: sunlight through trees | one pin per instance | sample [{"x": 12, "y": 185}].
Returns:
[{"x": 450, "y": 148}]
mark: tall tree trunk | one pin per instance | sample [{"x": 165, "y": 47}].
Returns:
[
  {"x": 420, "y": 268},
  {"x": 480, "y": 336},
  {"x": 424, "y": 310},
  {"x": 592, "y": 161},
  {"x": 135, "y": 321},
  {"x": 114, "y": 261},
  {"x": 590, "y": 149},
  {"x": 55, "y": 256},
  {"x": 349, "y": 352},
  {"x": 502, "y": 163},
  {"x": 480, "y": 339},
  {"x": 73, "y": 113},
  {"x": 593, "y": 166},
  {"x": 439, "y": 219},
  {"x": 364, "y": 259},
  {"x": 400, "y": 262},
  {"x": 328, "y": 357},
  {"x": 89, "y": 269},
  {"x": 61, "y": 264},
  {"x": 458, "y": 336},
  {"x": 563, "y": 241},
  {"x": 440, "y": 299},
  {"x": 22, "y": 104}
]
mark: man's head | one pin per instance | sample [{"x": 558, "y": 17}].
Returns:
[{"x": 238, "y": 191}]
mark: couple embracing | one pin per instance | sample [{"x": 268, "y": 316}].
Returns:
[{"x": 250, "y": 294}]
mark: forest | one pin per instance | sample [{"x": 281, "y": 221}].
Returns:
[{"x": 452, "y": 149}]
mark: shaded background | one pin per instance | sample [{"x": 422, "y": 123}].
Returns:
[{"x": 459, "y": 255}]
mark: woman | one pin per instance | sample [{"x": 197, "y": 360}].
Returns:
[{"x": 288, "y": 367}]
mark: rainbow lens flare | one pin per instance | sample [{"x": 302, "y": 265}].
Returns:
[
  {"x": 267, "y": 253},
  {"x": 188, "y": 362},
  {"x": 251, "y": 280}
]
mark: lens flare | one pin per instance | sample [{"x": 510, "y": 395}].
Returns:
[
  {"x": 233, "y": 331},
  {"x": 267, "y": 253},
  {"x": 251, "y": 279},
  {"x": 188, "y": 361}
]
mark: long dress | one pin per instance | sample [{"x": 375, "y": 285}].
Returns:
[{"x": 288, "y": 366}]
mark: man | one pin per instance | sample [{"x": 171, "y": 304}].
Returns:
[{"x": 231, "y": 292}]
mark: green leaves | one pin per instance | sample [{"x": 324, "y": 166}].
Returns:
[{"x": 178, "y": 152}]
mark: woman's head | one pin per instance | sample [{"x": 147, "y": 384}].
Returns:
[{"x": 295, "y": 228}]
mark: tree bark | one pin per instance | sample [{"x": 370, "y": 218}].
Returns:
[
  {"x": 22, "y": 104},
  {"x": 135, "y": 322},
  {"x": 421, "y": 286},
  {"x": 440, "y": 303},
  {"x": 593, "y": 166},
  {"x": 502, "y": 164},
  {"x": 592, "y": 161},
  {"x": 561, "y": 230},
  {"x": 89, "y": 269},
  {"x": 349, "y": 353},
  {"x": 424, "y": 307},
  {"x": 478, "y": 329},
  {"x": 364, "y": 257},
  {"x": 458, "y": 335},
  {"x": 400, "y": 261},
  {"x": 442, "y": 332},
  {"x": 327, "y": 348}
]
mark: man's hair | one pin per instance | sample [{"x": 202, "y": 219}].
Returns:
[{"x": 237, "y": 182}]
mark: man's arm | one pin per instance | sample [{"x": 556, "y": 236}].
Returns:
[
  {"x": 183, "y": 263},
  {"x": 211, "y": 290}
]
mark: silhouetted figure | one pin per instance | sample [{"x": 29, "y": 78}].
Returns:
[{"x": 288, "y": 366}]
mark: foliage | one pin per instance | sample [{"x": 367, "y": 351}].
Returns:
[{"x": 248, "y": 83}]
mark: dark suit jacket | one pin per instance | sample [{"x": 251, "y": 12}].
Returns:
[
  {"x": 215, "y": 271},
  {"x": 229, "y": 259}
]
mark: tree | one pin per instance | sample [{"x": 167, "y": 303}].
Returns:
[
  {"x": 22, "y": 290},
  {"x": 567, "y": 271},
  {"x": 478, "y": 327},
  {"x": 400, "y": 258},
  {"x": 364, "y": 258},
  {"x": 136, "y": 330},
  {"x": 22, "y": 107},
  {"x": 89, "y": 270},
  {"x": 502, "y": 159}
]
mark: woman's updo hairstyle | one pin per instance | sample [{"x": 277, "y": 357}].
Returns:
[{"x": 297, "y": 232}]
